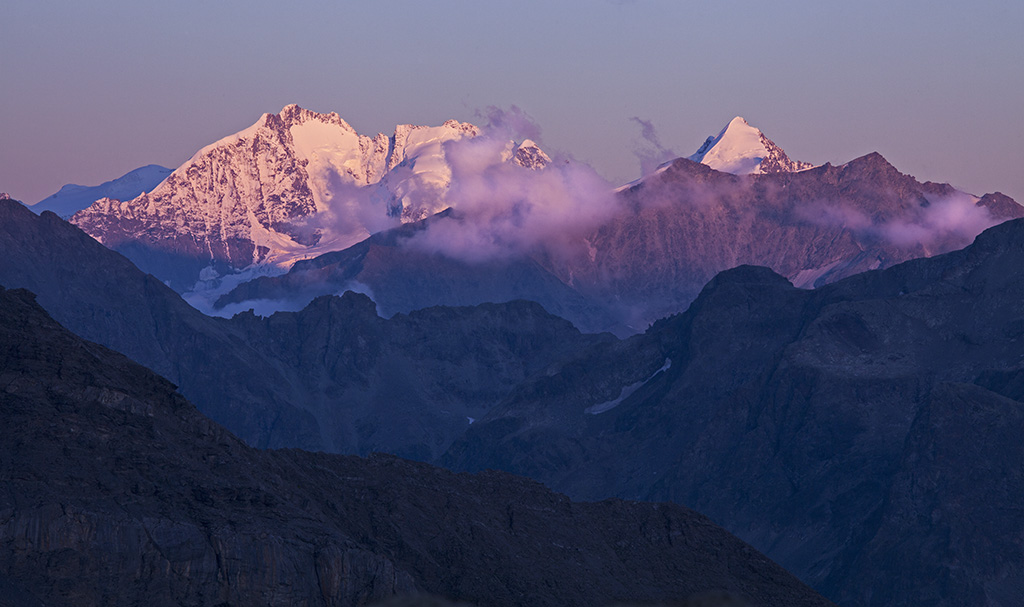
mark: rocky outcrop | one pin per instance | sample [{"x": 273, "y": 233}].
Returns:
[
  {"x": 860, "y": 434},
  {"x": 776, "y": 161},
  {"x": 114, "y": 490}
]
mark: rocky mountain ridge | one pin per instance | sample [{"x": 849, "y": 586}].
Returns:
[
  {"x": 815, "y": 226},
  {"x": 299, "y": 184}
]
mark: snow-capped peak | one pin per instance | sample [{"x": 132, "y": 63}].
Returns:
[
  {"x": 742, "y": 149},
  {"x": 528, "y": 155},
  {"x": 293, "y": 115},
  {"x": 293, "y": 185}
]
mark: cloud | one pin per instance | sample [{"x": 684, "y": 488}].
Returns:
[
  {"x": 512, "y": 123},
  {"x": 302, "y": 291},
  {"x": 501, "y": 209},
  {"x": 955, "y": 217},
  {"x": 352, "y": 212},
  {"x": 944, "y": 223},
  {"x": 650, "y": 153}
]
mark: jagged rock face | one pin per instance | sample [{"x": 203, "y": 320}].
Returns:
[
  {"x": 528, "y": 155},
  {"x": 333, "y": 377},
  {"x": 115, "y": 491},
  {"x": 292, "y": 185},
  {"x": 776, "y": 161},
  {"x": 848, "y": 431}
]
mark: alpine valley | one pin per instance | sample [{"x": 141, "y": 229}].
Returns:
[{"x": 824, "y": 360}]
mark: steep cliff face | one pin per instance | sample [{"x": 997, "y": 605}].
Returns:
[
  {"x": 860, "y": 433},
  {"x": 115, "y": 491},
  {"x": 292, "y": 185}
]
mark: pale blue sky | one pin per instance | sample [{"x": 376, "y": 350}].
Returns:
[{"x": 92, "y": 89}]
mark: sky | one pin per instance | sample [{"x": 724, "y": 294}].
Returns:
[{"x": 90, "y": 90}]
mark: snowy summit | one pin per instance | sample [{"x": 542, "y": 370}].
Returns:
[
  {"x": 291, "y": 186},
  {"x": 741, "y": 149}
]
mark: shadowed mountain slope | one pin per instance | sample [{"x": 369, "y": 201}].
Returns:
[
  {"x": 862, "y": 434},
  {"x": 401, "y": 280},
  {"x": 334, "y": 376},
  {"x": 114, "y": 490}
]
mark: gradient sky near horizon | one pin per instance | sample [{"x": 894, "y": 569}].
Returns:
[{"x": 94, "y": 89}]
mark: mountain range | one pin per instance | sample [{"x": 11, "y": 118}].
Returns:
[
  {"x": 299, "y": 184},
  {"x": 813, "y": 424},
  {"x": 861, "y": 433},
  {"x": 668, "y": 235}
]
